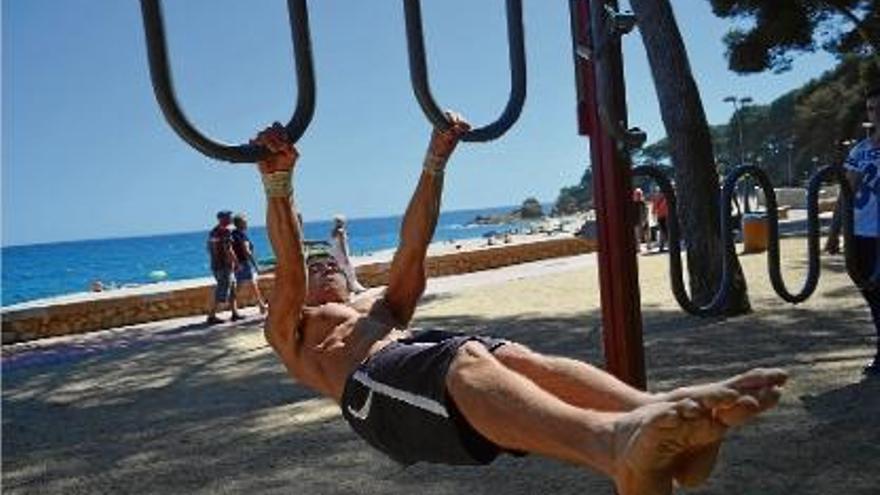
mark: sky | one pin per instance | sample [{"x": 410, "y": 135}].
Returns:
[{"x": 86, "y": 153}]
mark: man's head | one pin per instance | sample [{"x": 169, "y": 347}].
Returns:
[
  {"x": 339, "y": 221},
  {"x": 224, "y": 217},
  {"x": 240, "y": 221},
  {"x": 872, "y": 104},
  {"x": 327, "y": 282},
  {"x": 637, "y": 194}
]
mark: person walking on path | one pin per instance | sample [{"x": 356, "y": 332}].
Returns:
[
  {"x": 223, "y": 266},
  {"x": 248, "y": 268},
  {"x": 661, "y": 212},
  {"x": 832, "y": 243},
  {"x": 456, "y": 398},
  {"x": 641, "y": 217},
  {"x": 340, "y": 251},
  {"x": 863, "y": 173}
]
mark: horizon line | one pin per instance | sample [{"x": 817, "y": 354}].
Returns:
[{"x": 155, "y": 234}]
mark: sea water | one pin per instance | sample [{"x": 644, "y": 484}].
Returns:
[{"x": 52, "y": 269}]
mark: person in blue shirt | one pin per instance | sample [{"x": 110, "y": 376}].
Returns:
[
  {"x": 863, "y": 172},
  {"x": 248, "y": 269}
]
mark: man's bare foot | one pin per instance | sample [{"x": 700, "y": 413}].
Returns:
[
  {"x": 736, "y": 400},
  {"x": 733, "y": 402},
  {"x": 650, "y": 442}
]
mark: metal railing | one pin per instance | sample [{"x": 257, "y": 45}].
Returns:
[{"x": 163, "y": 87}]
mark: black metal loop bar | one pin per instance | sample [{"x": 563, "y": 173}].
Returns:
[
  {"x": 773, "y": 255},
  {"x": 675, "y": 267},
  {"x": 715, "y": 307},
  {"x": 160, "y": 73},
  {"x": 418, "y": 70}
]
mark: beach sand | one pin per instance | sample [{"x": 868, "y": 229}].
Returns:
[{"x": 176, "y": 407}]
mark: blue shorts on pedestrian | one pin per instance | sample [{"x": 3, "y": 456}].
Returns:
[
  {"x": 245, "y": 273},
  {"x": 225, "y": 285}
]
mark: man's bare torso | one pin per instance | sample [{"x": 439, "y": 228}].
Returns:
[{"x": 334, "y": 338}]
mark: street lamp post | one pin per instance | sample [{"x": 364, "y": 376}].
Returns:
[{"x": 738, "y": 105}]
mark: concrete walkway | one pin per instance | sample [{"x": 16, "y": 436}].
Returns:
[{"x": 176, "y": 407}]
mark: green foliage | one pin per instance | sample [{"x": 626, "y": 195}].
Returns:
[
  {"x": 810, "y": 122},
  {"x": 531, "y": 208},
  {"x": 784, "y": 137},
  {"x": 572, "y": 199},
  {"x": 771, "y": 32}
]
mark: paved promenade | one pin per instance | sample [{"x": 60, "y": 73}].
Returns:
[{"x": 177, "y": 407}]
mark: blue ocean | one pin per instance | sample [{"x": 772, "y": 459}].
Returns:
[{"x": 44, "y": 270}]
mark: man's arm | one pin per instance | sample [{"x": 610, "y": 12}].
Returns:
[
  {"x": 851, "y": 167},
  {"x": 855, "y": 180},
  {"x": 341, "y": 239},
  {"x": 289, "y": 294},
  {"x": 246, "y": 245},
  {"x": 231, "y": 258},
  {"x": 407, "y": 277}
]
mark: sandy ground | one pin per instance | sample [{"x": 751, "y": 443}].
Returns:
[{"x": 176, "y": 407}]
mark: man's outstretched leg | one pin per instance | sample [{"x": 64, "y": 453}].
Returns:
[
  {"x": 638, "y": 449},
  {"x": 583, "y": 385},
  {"x": 733, "y": 401}
]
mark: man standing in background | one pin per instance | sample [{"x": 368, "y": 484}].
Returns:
[
  {"x": 661, "y": 212},
  {"x": 863, "y": 172},
  {"x": 223, "y": 266}
]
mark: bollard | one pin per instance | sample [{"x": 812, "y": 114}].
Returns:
[{"x": 755, "y": 233}]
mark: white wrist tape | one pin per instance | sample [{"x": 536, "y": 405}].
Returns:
[
  {"x": 277, "y": 184},
  {"x": 435, "y": 164}
]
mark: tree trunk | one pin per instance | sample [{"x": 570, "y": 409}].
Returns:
[{"x": 690, "y": 147}]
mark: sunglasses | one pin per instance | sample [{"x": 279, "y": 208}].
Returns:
[{"x": 316, "y": 267}]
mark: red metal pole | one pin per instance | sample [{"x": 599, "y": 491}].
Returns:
[{"x": 618, "y": 270}]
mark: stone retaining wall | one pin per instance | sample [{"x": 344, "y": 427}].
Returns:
[
  {"x": 101, "y": 312},
  {"x": 796, "y": 197}
]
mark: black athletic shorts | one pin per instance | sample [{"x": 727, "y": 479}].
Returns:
[{"x": 397, "y": 401}]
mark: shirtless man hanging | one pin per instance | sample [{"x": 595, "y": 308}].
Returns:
[{"x": 455, "y": 398}]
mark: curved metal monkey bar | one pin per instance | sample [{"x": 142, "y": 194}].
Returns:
[
  {"x": 163, "y": 87},
  {"x": 418, "y": 69}
]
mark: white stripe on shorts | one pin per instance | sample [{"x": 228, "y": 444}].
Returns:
[{"x": 410, "y": 398}]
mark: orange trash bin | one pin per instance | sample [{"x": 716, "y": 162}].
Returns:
[{"x": 755, "y": 233}]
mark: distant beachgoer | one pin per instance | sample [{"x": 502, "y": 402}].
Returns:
[
  {"x": 863, "y": 172},
  {"x": 97, "y": 286},
  {"x": 248, "y": 268},
  {"x": 223, "y": 266},
  {"x": 832, "y": 243},
  {"x": 339, "y": 249},
  {"x": 660, "y": 209},
  {"x": 641, "y": 217},
  {"x": 456, "y": 398}
]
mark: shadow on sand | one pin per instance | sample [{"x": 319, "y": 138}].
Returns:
[{"x": 205, "y": 410}]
